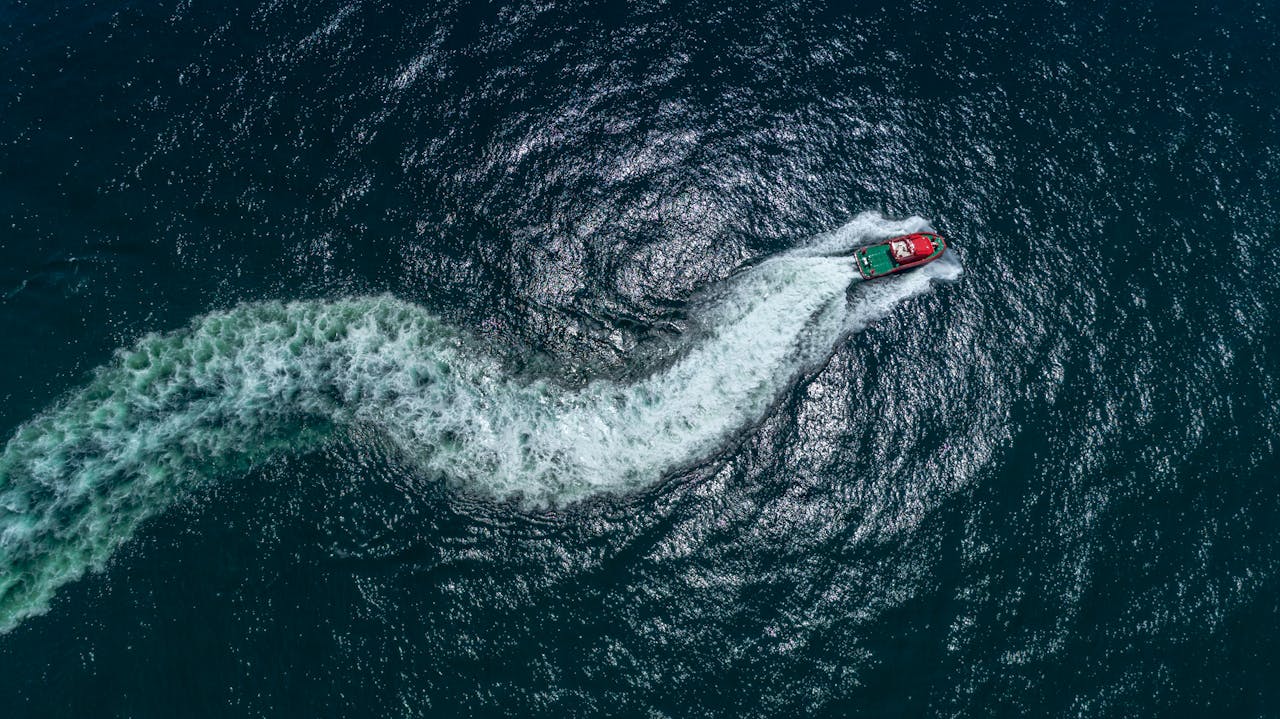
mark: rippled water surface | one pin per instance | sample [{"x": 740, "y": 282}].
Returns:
[{"x": 365, "y": 359}]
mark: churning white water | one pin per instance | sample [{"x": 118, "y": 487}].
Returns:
[{"x": 238, "y": 385}]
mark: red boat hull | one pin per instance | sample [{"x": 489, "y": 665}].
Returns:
[{"x": 898, "y": 254}]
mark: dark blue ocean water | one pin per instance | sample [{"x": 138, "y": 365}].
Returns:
[{"x": 382, "y": 359}]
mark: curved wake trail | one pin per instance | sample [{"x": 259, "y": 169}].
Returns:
[{"x": 236, "y": 386}]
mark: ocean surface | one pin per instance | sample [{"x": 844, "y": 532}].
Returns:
[{"x": 375, "y": 359}]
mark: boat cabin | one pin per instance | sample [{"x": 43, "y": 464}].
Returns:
[{"x": 910, "y": 248}]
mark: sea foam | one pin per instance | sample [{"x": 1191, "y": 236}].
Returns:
[{"x": 237, "y": 386}]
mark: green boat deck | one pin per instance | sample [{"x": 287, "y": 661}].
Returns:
[{"x": 875, "y": 260}]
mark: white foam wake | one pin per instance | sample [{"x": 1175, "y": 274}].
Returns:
[{"x": 238, "y": 385}]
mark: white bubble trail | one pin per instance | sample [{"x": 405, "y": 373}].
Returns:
[{"x": 236, "y": 386}]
